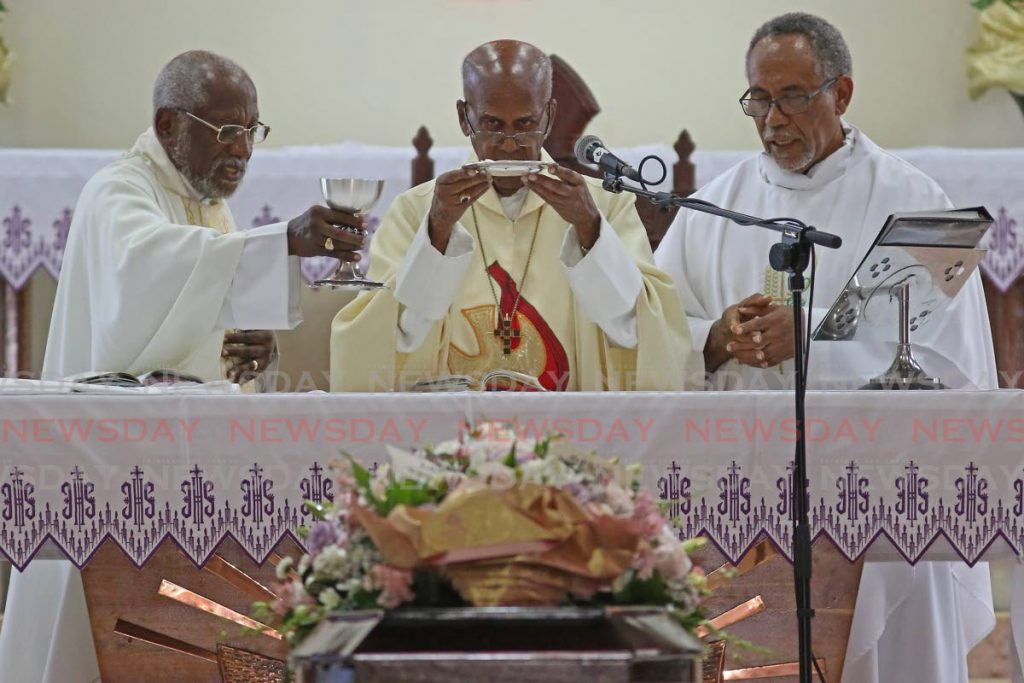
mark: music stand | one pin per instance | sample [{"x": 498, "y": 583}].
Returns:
[{"x": 913, "y": 271}]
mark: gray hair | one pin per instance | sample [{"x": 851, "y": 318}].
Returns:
[
  {"x": 826, "y": 40},
  {"x": 186, "y": 80}
]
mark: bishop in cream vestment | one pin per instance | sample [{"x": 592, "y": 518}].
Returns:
[{"x": 604, "y": 320}]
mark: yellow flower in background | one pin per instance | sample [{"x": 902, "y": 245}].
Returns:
[
  {"x": 5, "y": 63},
  {"x": 5, "y": 70},
  {"x": 997, "y": 56}
]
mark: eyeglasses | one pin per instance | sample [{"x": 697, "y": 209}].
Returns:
[
  {"x": 531, "y": 138},
  {"x": 227, "y": 135},
  {"x": 789, "y": 105}
]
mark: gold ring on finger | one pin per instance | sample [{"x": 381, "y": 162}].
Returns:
[
  {"x": 329, "y": 244},
  {"x": 256, "y": 363}
]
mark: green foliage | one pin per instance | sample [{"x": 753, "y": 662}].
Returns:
[
  {"x": 510, "y": 459},
  {"x": 408, "y": 493},
  {"x": 691, "y": 621},
  {"x": 317, "y": 510},
  {"x": 361, "y": 474},
  {"x": 652, "y": 591}
]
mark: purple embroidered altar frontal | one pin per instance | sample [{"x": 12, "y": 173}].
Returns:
[{"x": 921, "y": 469}]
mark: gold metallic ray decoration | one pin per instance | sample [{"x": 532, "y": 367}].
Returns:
[
  {"x": 236, "y": 664},
  {"x": 137, "y": 632},
  {"x": 763, "y": 551},
  {"x": 767, "y": 671},
  {"x": 196, "y": 601},
  {"x": 253, "y": 589},
  {"x": 744, "y": 610}
]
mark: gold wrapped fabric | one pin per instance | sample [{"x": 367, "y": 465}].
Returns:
[
  {"x": 525, "y": 545},
  {"x": 997, "y": 57},
  {"x": 517, "y": 582}
]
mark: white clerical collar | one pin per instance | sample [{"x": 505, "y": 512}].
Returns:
[
  {"x": 512, "y": 205},
  {"x": 822, "y": 173},
  {"x": 150, "y": 149}
]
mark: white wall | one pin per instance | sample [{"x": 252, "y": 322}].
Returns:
[{"x": 374, "y": 70}]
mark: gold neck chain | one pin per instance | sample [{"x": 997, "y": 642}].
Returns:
[{"x": 503, "y": 323}]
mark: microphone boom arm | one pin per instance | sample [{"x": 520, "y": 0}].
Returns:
[{"x": 789, "y": 227}]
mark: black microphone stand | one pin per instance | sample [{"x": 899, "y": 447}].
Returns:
[{"x": 792, "y": 256}]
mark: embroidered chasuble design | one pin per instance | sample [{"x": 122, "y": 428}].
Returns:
[
  {"x": 775, "y": 286},
  {"x": 213, "y": 219},
  {"x": 534, "y": 349}
]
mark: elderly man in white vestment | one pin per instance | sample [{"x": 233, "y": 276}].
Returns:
[
  {"x": 546, "y": 275},
  {"x": 154, "y": 273},
  {"x": 910, "y": 623}
]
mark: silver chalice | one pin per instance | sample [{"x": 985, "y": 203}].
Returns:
[{"x": 355, "y": 196}]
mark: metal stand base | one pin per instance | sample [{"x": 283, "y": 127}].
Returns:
[{"x": 904, "y": 373}]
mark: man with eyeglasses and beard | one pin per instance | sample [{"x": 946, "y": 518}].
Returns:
[
  {"x": 154, "y": 273},
  {"x": 911, "y": 623},
  {"x": 543, "y": 274},
  {"x": 154, "y": 270}
]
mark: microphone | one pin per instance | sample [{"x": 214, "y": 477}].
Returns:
[{"x": 590, "y": 150}]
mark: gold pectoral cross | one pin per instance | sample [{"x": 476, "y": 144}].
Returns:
[{"x": 507, "y": 334}]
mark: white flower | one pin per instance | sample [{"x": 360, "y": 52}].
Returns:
[
  {"x": 380, "y": 480},
  {"x": 304, "y": 563},
  {"x": 549, "y": 471},
  {"x": 672, "y": 562},
  {"x": 283, "y": 566},
  {"x": 330, "y": 562},
  {"x": 620, "y": 499},
  {"x": 448, "y": 448},
  {"x": 329, "y": 598},
  {"x": 482, "y": 451},
  {"x": 497, "y": 476}
]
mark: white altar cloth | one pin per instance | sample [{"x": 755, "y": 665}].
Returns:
[{"x": 913, "y": 468}]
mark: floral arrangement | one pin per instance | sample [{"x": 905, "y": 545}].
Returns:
[{"x": 486, "y": 519}]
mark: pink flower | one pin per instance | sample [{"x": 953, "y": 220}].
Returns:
[
  {"x": 672, "y": 561},
  {"x": 395, "y": 585},
  {"x": 643, "y": 562},
  {"x": 646, "y": 512},
  {"x": 619, "y": 499},
  {"x": 290, "y": 594}
]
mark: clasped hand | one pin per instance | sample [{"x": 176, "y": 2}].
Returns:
[{"x": 755, "y": 331}]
